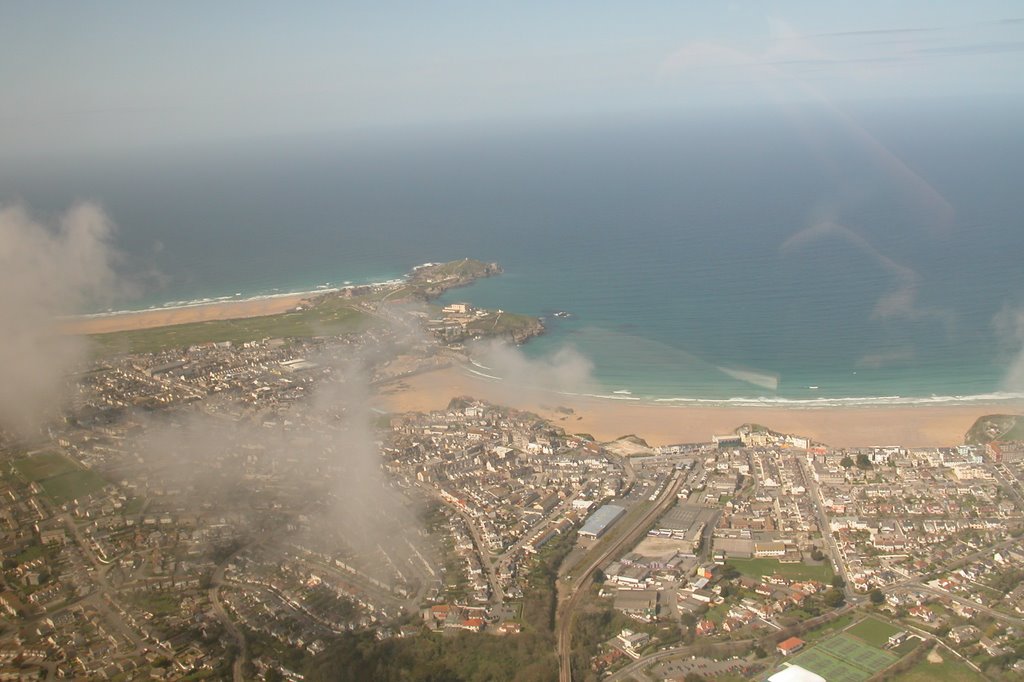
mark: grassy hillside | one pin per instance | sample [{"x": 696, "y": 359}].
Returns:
[
  {"x": 1002, "y": 427},
  {"x": 465, "y": 269}
]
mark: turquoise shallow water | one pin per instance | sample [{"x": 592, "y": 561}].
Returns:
[{"x": 735, "y": 259}]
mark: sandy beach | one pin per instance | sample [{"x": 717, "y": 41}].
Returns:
[
  {"x": 605, "y": 419},
  {"x": 912, "y": 426},
  {"x": 164, "y": 317}
]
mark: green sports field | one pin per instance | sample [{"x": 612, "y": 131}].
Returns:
[
  {"x": 60, "y": 477},
  {"x": 44, "y": 465},
  {"x": 873, "y": 631},
  {"x": 758, "y": 568},
  {"x": 845, "y": 658}
]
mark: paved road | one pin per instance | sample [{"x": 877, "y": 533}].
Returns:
[
  {"x": 669, "y": 654},
  {"x": 918, "y": 584},
  {"x": 998, "y": 615},
  {"x": 229, "y": 625},
  {"x": 830, "y": 542},
  {"x": 497, "y": 593}
]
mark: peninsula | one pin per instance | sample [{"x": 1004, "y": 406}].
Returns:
[{"x": 310, "y": 314}]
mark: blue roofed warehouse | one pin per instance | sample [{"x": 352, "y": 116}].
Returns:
[{"x": 602, "y": 520}]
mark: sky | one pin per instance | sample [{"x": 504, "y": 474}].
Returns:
[{"x": 90, "y": 76}]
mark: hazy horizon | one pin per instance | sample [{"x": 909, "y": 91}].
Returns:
[{"x": 107, "y": 78}]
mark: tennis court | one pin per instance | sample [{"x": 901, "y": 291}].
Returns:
[{"x": 844, "y": 658}]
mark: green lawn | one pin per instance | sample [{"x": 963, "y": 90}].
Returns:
[
  {"x": 44, "y": 465},
  {"x": 716, "y": 614},
  {"x": 909, "y": 644},
  {"x": 30, "y": 554},
  {"x": 60, "y": 477},
  {"x": 873, "y": 631},
  {"x": 159, "y": 604},
  {"x": 950, "y": 670},
  {"x": 759, "y": 568},
  {"x": 501, "y": 323},
  {"x": 133, "y": 506},
  {"x": 72, "y": 485},
  {"x": 831, "y": 668}
]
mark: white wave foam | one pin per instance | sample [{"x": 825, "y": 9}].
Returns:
[
  {"x": 859, "y": 401},
  {"x": 793, "y": 403},
  {"x": 236, "y": 298},
  {"x": 481, "y": 374}
]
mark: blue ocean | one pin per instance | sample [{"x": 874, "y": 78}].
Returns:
[{"x": 810, "y": 255}]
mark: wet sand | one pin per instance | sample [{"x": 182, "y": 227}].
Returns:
[
  {"x": 606, "y": 419},
  {"x": 165, "y": 317}
]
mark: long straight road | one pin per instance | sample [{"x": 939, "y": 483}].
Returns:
[{"x": 835, "y": 554}]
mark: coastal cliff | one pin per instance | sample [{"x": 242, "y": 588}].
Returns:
[
  {"x": 433, "y": 279},
  {"x": 461, "y": 322}
]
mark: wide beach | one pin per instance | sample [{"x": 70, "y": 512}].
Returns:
[
  {"x": 607, "y": 419},
  {"x": 165, "y": 317}
]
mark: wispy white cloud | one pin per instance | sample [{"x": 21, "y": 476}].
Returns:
[
  {"x": 1009, "y": 327},
  {"x": 563, "y": 371},
  {"x": 46, "y": 270},
  {"x": 901, "y": 300}
]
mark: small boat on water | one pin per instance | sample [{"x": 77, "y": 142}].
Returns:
[{"x": 563, "y": 314}]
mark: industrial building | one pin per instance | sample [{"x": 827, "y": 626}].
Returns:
[{"x": 601, "y": 520}]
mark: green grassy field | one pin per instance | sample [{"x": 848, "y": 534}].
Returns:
[
  {"x": 158, "y": 604},
  {"x": 717, "y": 613},
  {"x": 909, "y": 644},
  {"x": 844, "y": 658},
  {"x": 501, "y": 323},
  {"x": 133, "y": 506},
  {"x": 873, "y": 631},
  {"x": 1002, "y": 427},
  {"x": 330, "y": 317},
  {"x": 72, "y": 485},
  {"x": 44, "y": 465},
  {"x": 61, "y": 478},
  {"x": 758, "y": 568},
  {"x": 831, "y": 668},
  {"x": 30, "y": 554},
  {"x": 950, "y": 670}
]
